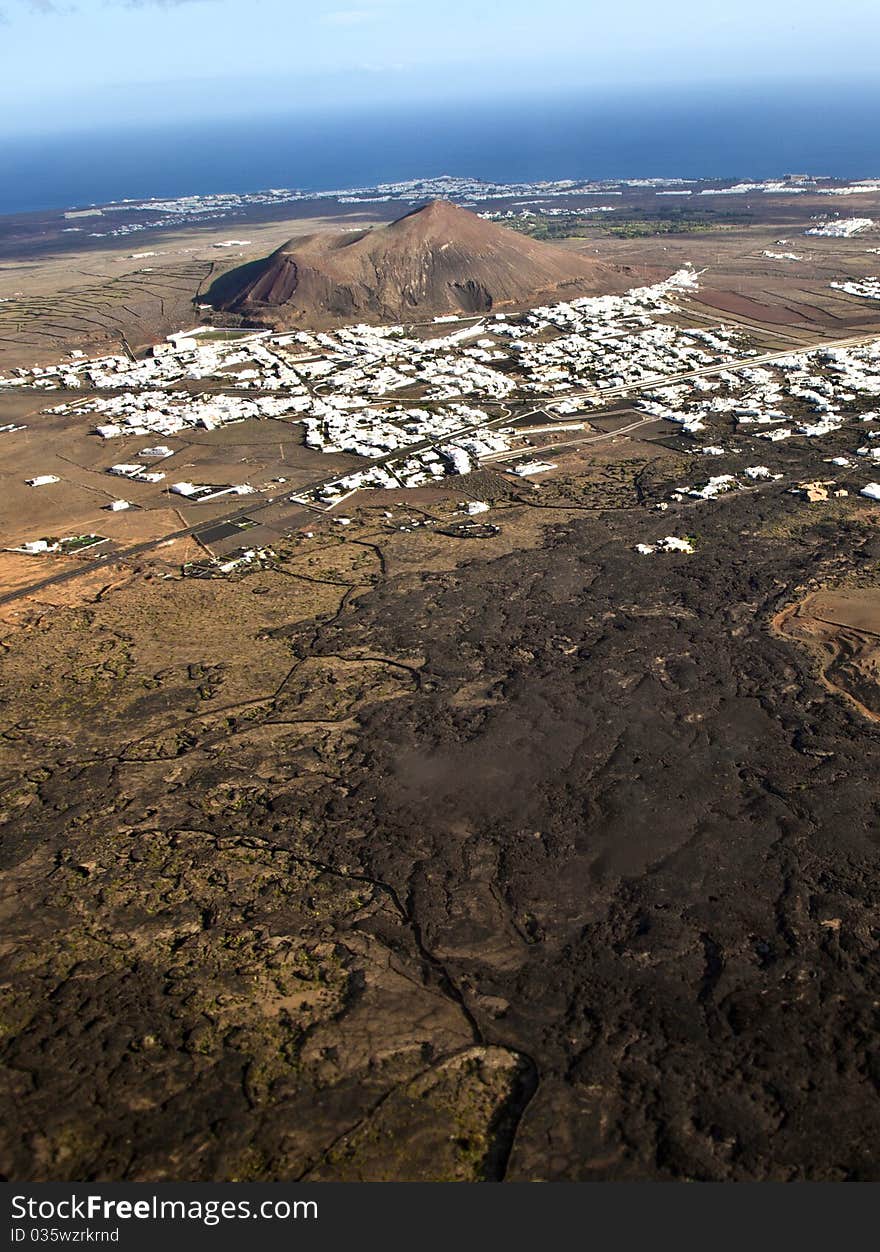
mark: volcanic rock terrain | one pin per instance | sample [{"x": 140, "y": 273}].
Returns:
[{"x": 439, "y": 259}]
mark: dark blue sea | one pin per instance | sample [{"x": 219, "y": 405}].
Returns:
[{"x": 752, "y": 133}]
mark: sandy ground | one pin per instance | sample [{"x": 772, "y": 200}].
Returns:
[{"x": 842, "y": 630}]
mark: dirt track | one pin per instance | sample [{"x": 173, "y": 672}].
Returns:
[{"x": 843, "y": 633}]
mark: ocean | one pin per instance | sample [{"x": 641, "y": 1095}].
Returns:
[{"x": 711, "y": 133}]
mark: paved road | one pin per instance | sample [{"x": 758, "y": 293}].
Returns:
[{"x": 495, "y": 458}]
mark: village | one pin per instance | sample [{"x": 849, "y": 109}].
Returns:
[
  {"x": 161, "y": 219},
  {"x": 418, "y": 404}
]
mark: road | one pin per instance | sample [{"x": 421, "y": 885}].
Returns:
[{"x": 495, "y": 457}]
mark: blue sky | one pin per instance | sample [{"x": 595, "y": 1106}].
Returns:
[{"x": 74, "y": 64}]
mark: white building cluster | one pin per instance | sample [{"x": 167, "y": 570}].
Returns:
[
  {"x": 844, "y": 228},
  {"x": 671, "y": 543},
  {"x": 867, "y": 288},
  {"x": 608, "y": 342},
  {"x": 806, "y": 395}
]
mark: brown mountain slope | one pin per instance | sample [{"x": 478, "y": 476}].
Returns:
[{"x": 439, "y": 259}]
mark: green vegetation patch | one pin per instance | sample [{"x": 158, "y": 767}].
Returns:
[{"x": 671, "y": 221}]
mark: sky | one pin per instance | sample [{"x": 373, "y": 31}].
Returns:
[{"x": 83, "y": 64}]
